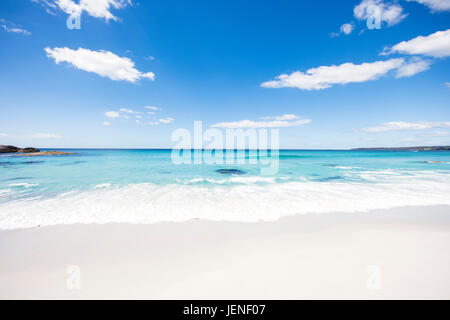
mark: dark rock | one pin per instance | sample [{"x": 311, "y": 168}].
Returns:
[
  {"x": 8, "y": 149},
  {"x": 29, "y": 150},
  {"x": 231, "y": 171}
]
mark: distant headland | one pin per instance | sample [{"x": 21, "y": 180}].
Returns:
[
  {"x": 29, "y": 152},
  {"x": 436, "y": 148}
]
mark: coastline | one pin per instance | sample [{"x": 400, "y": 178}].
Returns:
[{"x": 309, "y": 256}]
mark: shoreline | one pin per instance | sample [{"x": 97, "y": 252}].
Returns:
[{"x": 304, "y": 257}]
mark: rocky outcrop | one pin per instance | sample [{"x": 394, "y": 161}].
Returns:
[
  {"x": 29, "y": 152},
  {"x": 8, "y": 149},
  {"x": 12, "y": 149},
  {"x": 42, "y": 153}
]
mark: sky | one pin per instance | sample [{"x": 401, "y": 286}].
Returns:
[{"x": 329, "y": 74}]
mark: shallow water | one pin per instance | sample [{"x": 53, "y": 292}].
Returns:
[{"x": 145, "y": 186}]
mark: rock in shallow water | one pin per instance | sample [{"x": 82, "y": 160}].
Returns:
[{"x": 231, "y": 171}]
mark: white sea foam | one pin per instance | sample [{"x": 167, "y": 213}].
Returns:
[
  {"x": 149, "y": 203},
  {"x": 23, "y": 184},
  {"x": 5, "y": 191},
  {"x": 102, "y": 186},
  {"x": 234, "y": 180},
  {"x": 346, "y": 168}
]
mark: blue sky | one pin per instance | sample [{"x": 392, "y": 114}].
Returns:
[{"x": 220, "y": 62}]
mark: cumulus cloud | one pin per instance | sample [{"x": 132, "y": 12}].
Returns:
[
  {"x": 347, "y": 28},
  {"x": 151, "y": 108},
  {"x": 13, "y": 28},
  {"x": 435, "y": 5},
  {"x": 106, "y": 123},
  {"x": 112, "y": 114},
  {"x": 283, "y": 117},
  {"x": 447, "y": 84},
  {"x": 45, "y": 136},
  {"x": 287, "y": 120},
  {"x": 129, "y": 111},
  {"x": 391, "y": 12},
  {"x": 326, "y": 76},
  {"x": 103, "y": 63},
  {"x": 95, "y": 8},
  {"x": 413, "y": 67},
  {"x": 435, "y": 45},
  {"x": 404, "y": 126}
]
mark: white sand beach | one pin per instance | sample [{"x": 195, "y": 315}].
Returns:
[{"x": 391, "y": 254}]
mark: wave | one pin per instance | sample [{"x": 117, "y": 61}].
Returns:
[
  {"x": 24, "y": 185},
  {"x": 150, "y": 203},
  {"x": 234, "y": 180},
  {"x": 102, "y": 186}
]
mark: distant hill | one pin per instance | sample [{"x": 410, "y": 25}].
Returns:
[{"x": 440, "y": 148}]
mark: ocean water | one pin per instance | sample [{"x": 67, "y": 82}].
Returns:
[{"x": 145, "y": 186}]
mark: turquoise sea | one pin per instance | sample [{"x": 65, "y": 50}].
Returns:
[{"x": 145, "y": 186}]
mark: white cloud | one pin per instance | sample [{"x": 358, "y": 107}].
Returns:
[
  {"x": 347, "y": 28},
  {"x": 94, "y": 8},
  {"x": 435, "y": 5},
  {"x": 3, "y": 134},
  {"x": 413, "y": 67},
  {"x": 435, "y": 45},
  {"x": 326, "y": 76},
  {"x": 402, "y": 126},
  {"x": 287, "y": 120},
  {"x": 166, "y": 120},
  {"x": 112, "y": 114},
  {"x": 13, "y": 28},
  {"x": 447, "y": 84},
  {"x": 45, "y": 136},
  {"x": 284, "y": 117},
  {"x": 106, "y": 123},
  {"x": 140, "y": 117},
  {"x": 103, "y": 63},
  {"x": 391, "y": 12},
  {"x": 161, "y": 121},
  {"x": 129, "y": 111}
]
